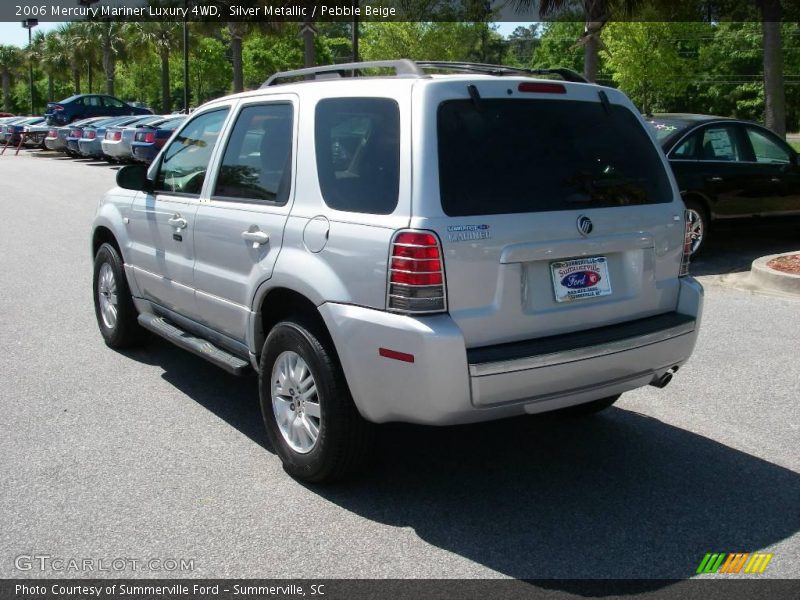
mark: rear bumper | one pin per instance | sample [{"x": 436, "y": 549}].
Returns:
[
  {"x": 447, "y": 384},
  {"x": 115, "y": 148}
]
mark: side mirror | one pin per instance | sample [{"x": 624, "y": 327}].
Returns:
[{"x": 134, "y": 177}]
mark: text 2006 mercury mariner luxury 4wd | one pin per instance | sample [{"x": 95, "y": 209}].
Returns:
[{"x": 435, "y": 243}]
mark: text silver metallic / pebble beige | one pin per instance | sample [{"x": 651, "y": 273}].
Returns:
[{"x": 420, "y": 247}]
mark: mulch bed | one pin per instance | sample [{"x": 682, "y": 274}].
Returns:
[{"x": 786, "y": 264}]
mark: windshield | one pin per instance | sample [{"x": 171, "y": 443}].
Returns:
[{"x": 519, "y": 156}]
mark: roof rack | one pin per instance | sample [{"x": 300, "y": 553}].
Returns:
[
  {"x": 402, "y": 68},
  {"x": 408, "y": 68}
]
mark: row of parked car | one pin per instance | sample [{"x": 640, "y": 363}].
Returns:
[{"x": 116, "y": 139}]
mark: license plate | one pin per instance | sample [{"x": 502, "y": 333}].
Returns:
[{"x": 580, "y": 278}]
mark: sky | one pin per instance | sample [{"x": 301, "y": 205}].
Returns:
[{"x": 14, "y": 33}]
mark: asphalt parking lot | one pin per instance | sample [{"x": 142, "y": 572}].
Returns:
[{"x": 153, "y": 453}]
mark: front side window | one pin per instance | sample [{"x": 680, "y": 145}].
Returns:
[
  {"x": 520, "y": 156},
  {"x": 720, "y": 143},
  {"x": 766, "y": 149},
  {"x": 358, "y": 153},
  {"x": 185, "y": 161},
  {"x": 257, "y": 161}
]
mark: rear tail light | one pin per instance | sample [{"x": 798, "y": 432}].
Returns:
[
  {"x": 52, "y": 133},
  {"x": 416, "y": 274},
  {"x": 91, "y": 134},
  {"x": 687, "y": 246},
  {"x": 117, "y": 136},
  {"x": 150, "y": 137},
  {"x": 58, "y": 108}
]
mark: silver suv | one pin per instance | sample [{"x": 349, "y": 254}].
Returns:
[{"x": 432, "y": 243}]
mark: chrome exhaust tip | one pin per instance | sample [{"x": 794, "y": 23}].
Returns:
[{"x": 663, "y": 381}]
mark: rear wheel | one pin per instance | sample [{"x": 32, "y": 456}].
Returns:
[
  {"x": 308, "y": 412},
  {"x": 698, "y": 224}
]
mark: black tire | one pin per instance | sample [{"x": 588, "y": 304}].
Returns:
[
  {"x": 697, "y": 209},
  {"x": 590, "y": 408},
  {"x": 125, "y": 331},
  {"x": 344, "y": 439}
]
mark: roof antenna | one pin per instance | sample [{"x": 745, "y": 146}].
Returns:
[
  {"x": 604, "y": 101},
  {"x": 474, "y": 96}
]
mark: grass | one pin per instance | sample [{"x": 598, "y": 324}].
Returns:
[{"x": 795, "y": 145}]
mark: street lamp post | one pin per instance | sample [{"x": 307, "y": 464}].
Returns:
[{"x": 29, "y": 24}]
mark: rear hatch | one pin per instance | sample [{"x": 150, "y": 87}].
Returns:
[{"x": 554, "y": 207}]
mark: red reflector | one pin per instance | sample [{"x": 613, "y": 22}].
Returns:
[
  {"x": 413, "y": 252},
  {"x": 420, "y": 266},
  {"x": 542, "y": 87},
  {"x": 416, "y": 278},
  {"x": 386, "y": 353},
  {"x": 415, "y": 238},
  {"x": 150, "y": 137}
]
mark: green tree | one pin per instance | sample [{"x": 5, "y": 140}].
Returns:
[
  {"x": 11, "y": 60},
  {"x": 645, "y": 61}
]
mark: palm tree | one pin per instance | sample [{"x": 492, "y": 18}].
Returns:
[
  {"x": 112, "y": 38},
  {"x": 10, "y": 60},
  {"x": 49, "y": 53},
  {"x": 164, "y": 37},
  {"x": 774, "y": 90},
  {"x": 71, "y": 37},
  {"x": 237, "y": 31}
]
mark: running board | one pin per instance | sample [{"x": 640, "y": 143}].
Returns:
[{"x": 203, "y": 348}]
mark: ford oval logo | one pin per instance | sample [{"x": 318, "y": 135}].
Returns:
[
  {"x": 580, "y": 279},
  {"x": 585, "y": 225}
]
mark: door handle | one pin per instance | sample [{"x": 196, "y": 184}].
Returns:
[
  {"x": 257, "y": 237},
  {"x": 178, "y": 221},
  {"x": 715, "y": 179}
]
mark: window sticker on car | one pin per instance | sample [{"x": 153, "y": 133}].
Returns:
[{"x": 468, "y": 233}]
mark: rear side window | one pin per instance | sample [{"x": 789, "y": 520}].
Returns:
[
  {"x": 257, "y": 161},
  {"x": 767, "y": 150},
  {"x": 358, "y": 153},
  {"x": 520, "y": 156}
]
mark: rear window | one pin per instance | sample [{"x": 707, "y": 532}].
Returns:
[
  {"x": 358, "y": 153},
  {"x": 519, "y": 156}
]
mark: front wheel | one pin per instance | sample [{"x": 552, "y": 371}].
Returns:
[
  {"x": 113, "y": 305},
  {"x": 308, "y": 412}
]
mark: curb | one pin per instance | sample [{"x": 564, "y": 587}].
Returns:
[{"x": 763, "y": 276}]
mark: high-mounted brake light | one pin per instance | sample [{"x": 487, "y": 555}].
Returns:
[
  {"x": 542, "y": 87},
  {"x": 687, "y": 246},
  {"x": 416, "y": 274}
]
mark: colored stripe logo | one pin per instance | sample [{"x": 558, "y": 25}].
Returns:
[{"x": 734, "y": 562}]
